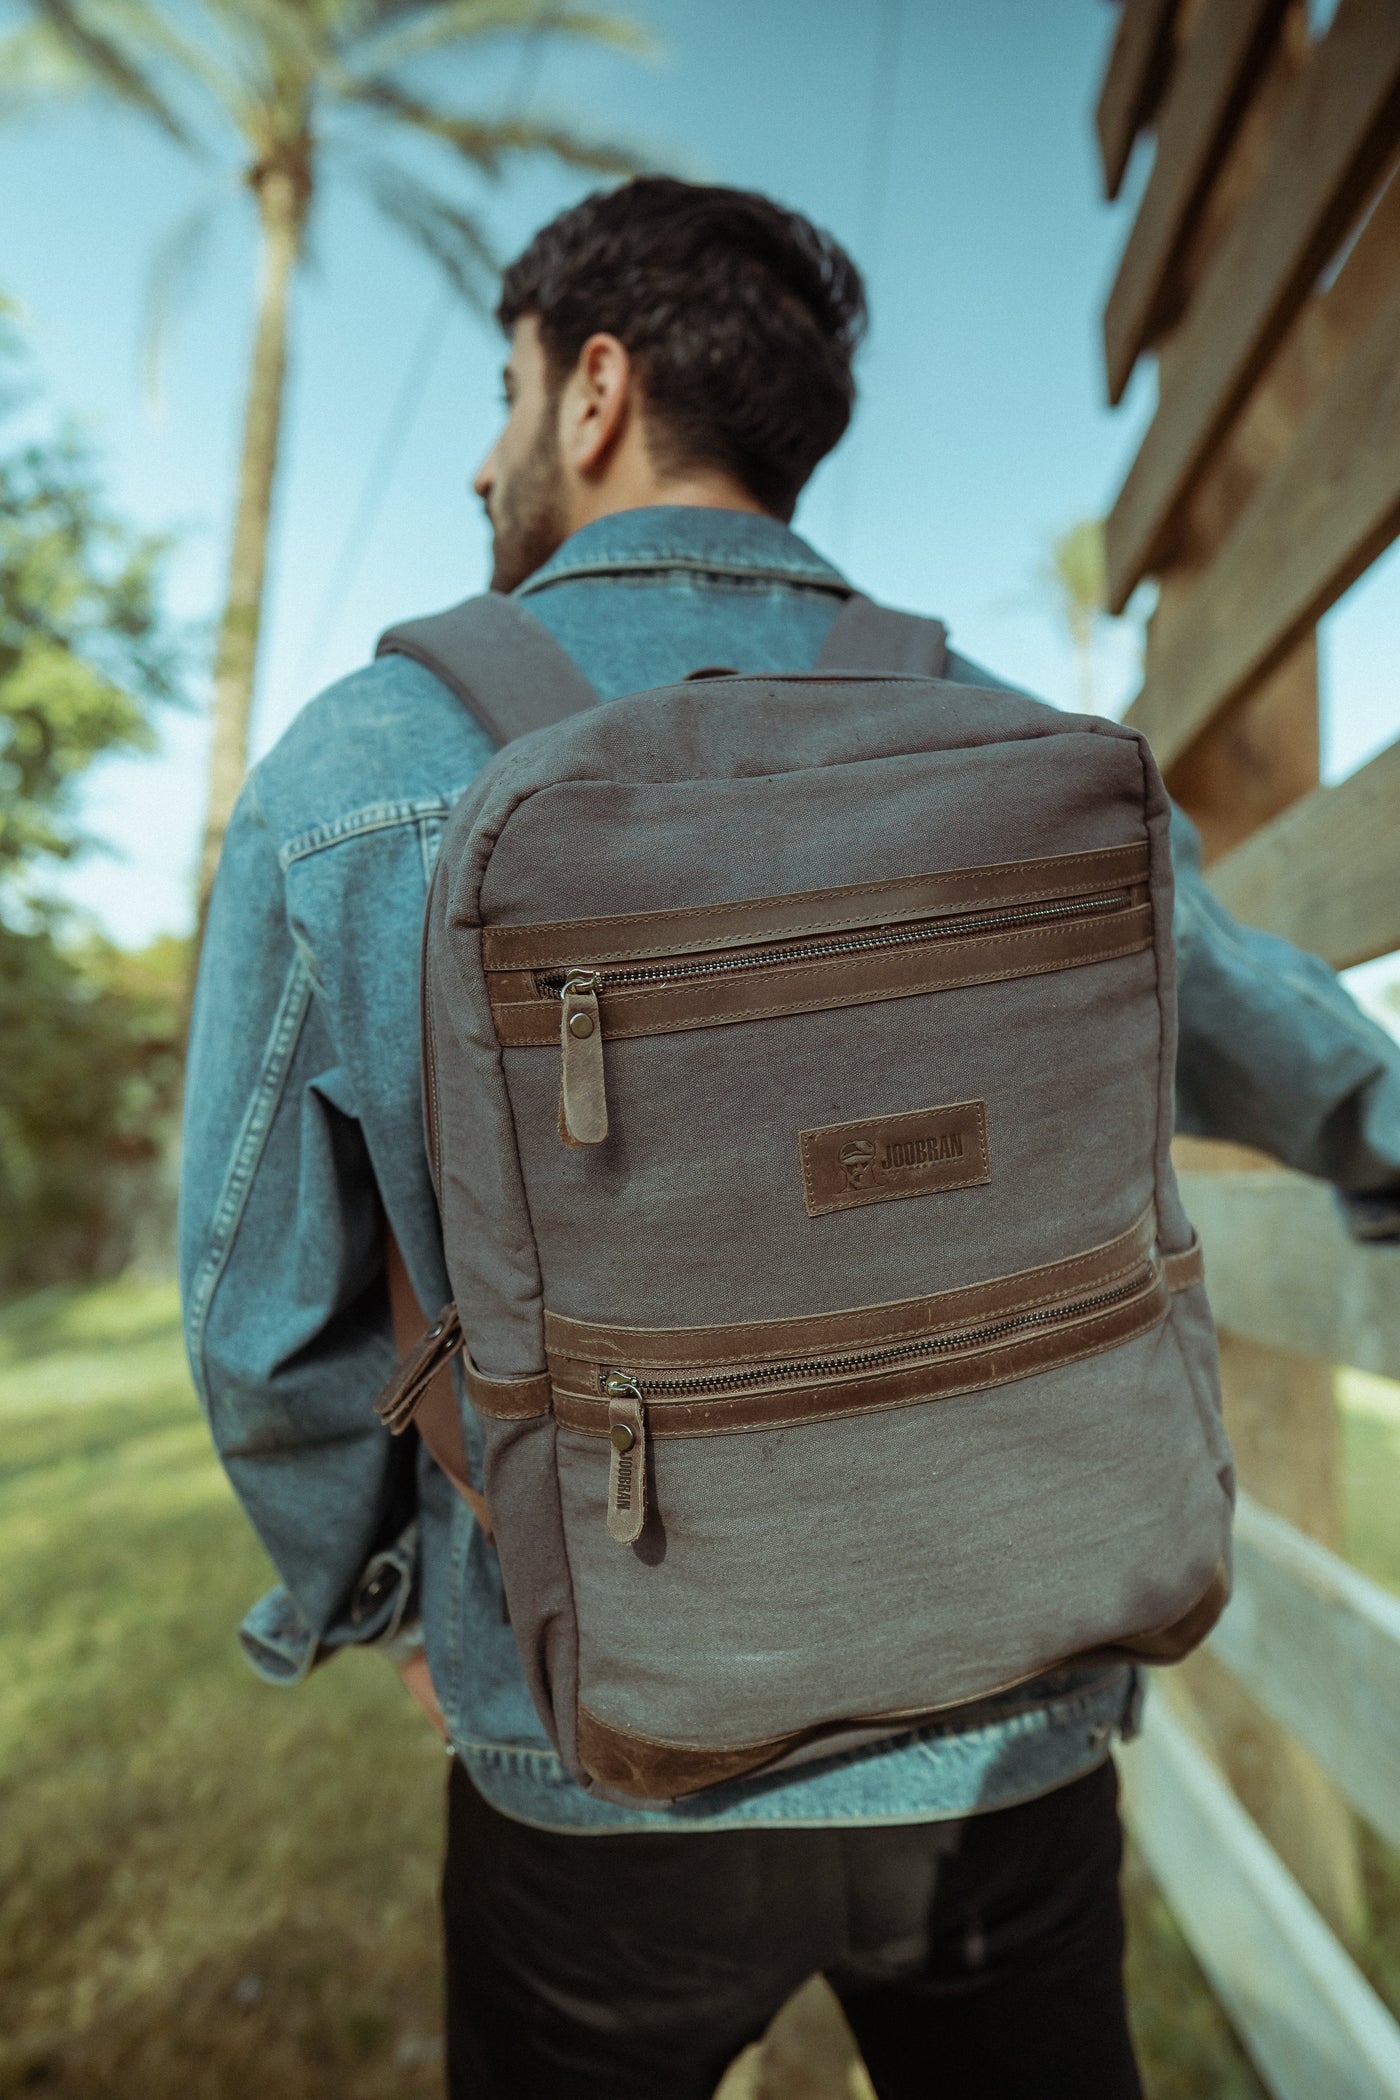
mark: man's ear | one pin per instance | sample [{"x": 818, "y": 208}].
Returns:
[{"x": 596, "y": 406}]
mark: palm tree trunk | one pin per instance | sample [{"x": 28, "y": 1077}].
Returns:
[
  {"x": 282, "y": 202},
  {"x": 1082, "y": 621}
]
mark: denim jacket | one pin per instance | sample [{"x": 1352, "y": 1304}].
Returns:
[{"x": 303, "y": 1135}]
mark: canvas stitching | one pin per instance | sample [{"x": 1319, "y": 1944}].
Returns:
[
  {"x": 1063, "y": 1273},
  {"x": 899, "y": 884},
  {"x": 286, "y": 1028},
  {"x": 1003, "y": 1376}
]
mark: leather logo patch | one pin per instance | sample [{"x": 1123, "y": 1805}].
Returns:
[{"x": 887, "y": 1157}]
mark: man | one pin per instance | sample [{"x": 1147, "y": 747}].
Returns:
[{"x": 680, "y": 359}]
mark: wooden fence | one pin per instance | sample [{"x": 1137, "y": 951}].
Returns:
[{"x": 1262, "y": 269}]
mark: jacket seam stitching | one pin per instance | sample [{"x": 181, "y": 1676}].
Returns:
[
  {"x": 828, "y": 580},
  {"x": 357, "y": 824},
  {"x": 247, "y": 1153}
]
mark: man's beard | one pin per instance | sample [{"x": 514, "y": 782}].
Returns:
[{"x": 528, "y": 515}]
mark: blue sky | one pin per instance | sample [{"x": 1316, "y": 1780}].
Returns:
[{"x": 970, "y": 194}]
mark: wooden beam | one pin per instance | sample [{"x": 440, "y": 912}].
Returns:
[
  {"x": 1329, "y": 507},
  {"x": 1302, "y": 2008},
  {"x": 1256, "y": 760},
  {"x": 1334, "y": 135},
  {"x": 1326, "y": 874},
  {"x": 1137, "y": 70},
  {"x": 1318, "y": 1645},
  {"x": 1282, "y": 1269},
  {"x": 1281, "y": 1419},
  {"x": 1209, "y": 88}
]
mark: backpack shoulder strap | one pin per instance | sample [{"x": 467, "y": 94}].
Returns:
[
  {"x": 870, "y": 637},
  {"x": 506, "y": 669}
]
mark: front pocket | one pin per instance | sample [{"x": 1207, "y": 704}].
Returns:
[
  {"x": 634, "y": 1384},
  {"x": 577, "y": 983}
]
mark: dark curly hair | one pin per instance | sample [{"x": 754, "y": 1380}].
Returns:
[{"x": 743, "y": 319}]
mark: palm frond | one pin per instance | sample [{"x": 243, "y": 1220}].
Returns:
[
  {"x": 35, "y": 67},
  {"x": 377, "y": 54},
  {"x": 486, "y": 142},
  {"x": 451, "y": 238},
  {"x": 109, "y": 63},
  {"x": 174, "y": 268}
]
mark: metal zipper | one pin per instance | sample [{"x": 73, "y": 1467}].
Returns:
[
  {"x": 620, "y": 1384},
  {"x": 552, "y": 984}
]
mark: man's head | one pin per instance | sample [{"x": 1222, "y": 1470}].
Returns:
[{"x": 670, "y": 343}]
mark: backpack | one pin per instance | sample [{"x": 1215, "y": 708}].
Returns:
[{"x": 798, "y": 1060}]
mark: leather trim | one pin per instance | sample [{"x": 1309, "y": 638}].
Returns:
[
  {"x": 421, "y": 1390},
  {"x": 509, "y": 1399},
  {"x": 861, "y": 1326},
  {"x": 1168, "y": 1644},
  {"x": 884, "y": 1159},
  {"x": 1185, "y": 1268},
  {"x": 792, "y": 1404},
  {"x": 424, "y": 1361},
  {"x": 633, "y": 936},
  {"x": 652, "y": 1769},
  {"x": 846, "y": 980}
]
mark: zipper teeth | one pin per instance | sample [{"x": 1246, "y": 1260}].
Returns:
[
  {"x": 871, "y": 1359},
  {"x": 851, "y": 944}
]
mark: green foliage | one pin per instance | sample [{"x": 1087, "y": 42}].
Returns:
[
  {"x": 1079, "y": 576},
  {"x": 89, "y": 1069},
  {"x": 291, "y": 89},
  {"x": 89, "y": 1083},
  {"x": 83, "y": 654}
]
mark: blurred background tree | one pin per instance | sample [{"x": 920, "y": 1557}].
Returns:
[
  {"x": 89, "y": 1036},
  {"x": 291, "y": 94},
  {"x": 1077, "y": 576}
]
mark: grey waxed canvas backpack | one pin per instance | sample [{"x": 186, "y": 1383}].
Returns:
[{"x": 798, "y": 1066}]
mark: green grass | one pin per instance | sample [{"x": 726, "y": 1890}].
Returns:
[{"x": 214, "y": 1889}]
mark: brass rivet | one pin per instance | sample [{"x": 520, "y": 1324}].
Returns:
[
  {"x": 580, "y": 1024},
  {"x": 623, "y": 1437}
]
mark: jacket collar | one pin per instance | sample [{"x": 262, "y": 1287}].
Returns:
[{"x": 685, "y": 536}]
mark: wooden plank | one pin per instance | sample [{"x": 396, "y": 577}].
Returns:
[
  {"x": 1281, "y": 1419},
  {"x": 1137, "y": 70},
  {"x": 1333, "y": 137},
  {"x": 1209, "y": 88},
  {"x": 1282, "y": 1269},
  {"x": 1307, "y": 2016},
  {"x": 1329, "y": 507},
  {"x": 1255, "y": 761},
  {"x": 1326, "y": 873},
  {"x": 1318, "y": 1645},
  {"x": 1279, "y": 1408}
]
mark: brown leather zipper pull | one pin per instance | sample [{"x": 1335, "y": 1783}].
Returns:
[
  {"x": 583, "y": 1100},
  {"x": 627, "y": 1469}
]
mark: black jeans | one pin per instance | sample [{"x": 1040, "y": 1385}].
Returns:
[{"x": 978, "y": 1958}]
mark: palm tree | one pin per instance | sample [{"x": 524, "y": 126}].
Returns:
[
  {"x": 1076, "y": 574},
  {"x": 293, "y": 92}
]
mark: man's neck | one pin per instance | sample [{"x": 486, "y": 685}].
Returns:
[{"x": 706, "y": 489}]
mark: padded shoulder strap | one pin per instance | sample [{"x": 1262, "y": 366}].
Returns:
[
  {"x": 870, "y": 637},
  {"x": 503, "y": 666}
]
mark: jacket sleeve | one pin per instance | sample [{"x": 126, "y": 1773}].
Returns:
[
  {"x": 283, "y": 1281},
  {"x": 1275, "y": 1053}
]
